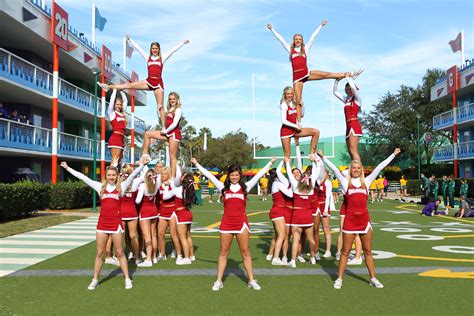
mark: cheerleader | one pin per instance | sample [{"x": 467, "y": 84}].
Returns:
[
  {"x": 352, "y": 104},
  {"x": 357, "y": 260},
  {"x": 301, "y": 219},
  {"x": 290, "y": 128},
  {"x": 149, "y": 215},
  {"x": 172, "y": 133},
  {"x": 155, "y": 62},
  {"x": 129, "y": 211},
  {"x": 110, "y": 221},
  {"x": 234, "y": 220},
  {"x": 323, "y": 212},
  {"x": 298, "y": 58},
  {"x": 184, "y": 198},
  {"x": 116, "y": 113},
  {"x": 280, "y": 190},
  {"x": 167, "y": 216},
  {"x": 357, "y": 220}
]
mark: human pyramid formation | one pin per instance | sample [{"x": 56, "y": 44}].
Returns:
[{"x": 164, "y": 195}]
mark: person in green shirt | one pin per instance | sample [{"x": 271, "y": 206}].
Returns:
[
  {"x": 434, "y": 187},
  {"x": 451, "y": 187},
  {"x": 444, "y": 190},
  {"x": 425, "y": 187},
  {"x": 463, "y": 190}
]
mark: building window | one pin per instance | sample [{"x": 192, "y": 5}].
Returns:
[{"x": 37, "y": 120}]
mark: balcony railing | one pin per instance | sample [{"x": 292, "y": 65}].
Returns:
[
  {"x": 446, "y": 119},
  {"x": 18, "y": 135},
  {"x": 19, "y": 70},
  {"x": 464, "y": 150}
]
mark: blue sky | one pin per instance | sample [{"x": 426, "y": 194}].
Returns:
[{"x": 395, "y": 41}]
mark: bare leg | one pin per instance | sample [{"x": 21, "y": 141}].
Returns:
[
  {"x": 296, "y": 232},
  {"x": 358, "y": 246},
  {"x": 226, "y": 243},
  {"x": 137, "y": 85},
  {"x": 145, "y": 226},
  {"x": 159, "y": 96},
  {"x": 101, "y": 241},
  {"x": 352, "y": 143},
  {"x": 308, "y": 231},
  {"x": 327, "y": 232},
  {"x": 190, "y": 240},
  {"x": 339, "y": 237},
  {"x": 317, "y": 222},
  {"x": 314, "y": 133},
  {"x": 182, "y": 234},
  {"x": 279, "y": 226},
  {"x": 108, "y": 248},
  {"x": 133, "y": 233},
  {"x": 174, "y": 146},
  {"x": 162, "y": 225},
  {"x": 116, "y": 154},
  {"x": 321, "y": 75},
  {"x": 118, "y": 248},
  {"x": 367, "y": 246},
  {"x": 243, "y": 241},
  {"x": 298, "y": 89},
  {"x": 174, "y": 236},
  {"x": 348, "y": 239},
  {"x": 148, "y": 136},
  {"x": 286, "y": 144},
  {"x": 154, "y": 240},
  {"x": 272, "y": 244}
]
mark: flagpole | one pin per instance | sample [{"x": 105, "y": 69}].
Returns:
[
  {"x": 93, "y": 24},
  {"x": 462, "y": 48},
  {"x": 124, "y": 53}
]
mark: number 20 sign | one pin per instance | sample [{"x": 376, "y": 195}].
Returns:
[{"x": 60, "y": 27}]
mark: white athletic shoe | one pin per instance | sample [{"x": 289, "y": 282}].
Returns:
[
  {"x": 183, "y": 261},
  {"x": 173, "y": 254},
  {"x": 103, "y": 86},
  {"x": 327, "y": 254},
  {"x": 356, "y": 73},
  {"x": 130, "y": 255},
  {"x": 338, "y": 256},
  {"x": 338, "y": 284},
  {"x": 160, "y": 258},
  {"x": 317, "y": 256},
  {"x": 128, "y": 284},
  {"x": 300, "y": 258},
  {"x": 269, "y": 257},
  {"x": 113, "y": 261},
  {"x": 94, "y": 284},
  {"x": 217, "y": 285},
  {"x": 312, "y": 260},
  {"x": 138, "y": 261},
  {"x": 284, "y": 261},
  {"x": 154, "y": 260},
  {"x": 276, "y": 262},
  {"x": 180, "y": 257},
  {"x": 254, "y": 285},
  {"x": 376, "y": 283},
  {"x": 145, "y": 264},
  {"x": 355, "y": 262},
  {"x": 143, "y": 254},
  {"x": 292, "y": 264},
  {"x": 193, "y": 258}
]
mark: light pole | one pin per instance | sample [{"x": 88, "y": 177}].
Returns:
[
  {"x": 96, "y": 72},
  {"x": 418, "y": 116}
]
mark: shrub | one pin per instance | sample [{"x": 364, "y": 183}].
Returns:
[
  {"x": 21, "y": 198},
  {"x": 70, "y": 195}
]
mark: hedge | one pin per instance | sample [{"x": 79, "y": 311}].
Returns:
[{"x": 20, "y": 198}]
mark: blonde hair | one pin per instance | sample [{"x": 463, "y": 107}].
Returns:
[
  {"x": 285, "y": 90},
  {"x": 123, "y": 112},
  {"x": 302, "y": 51},
  {"x": 167, "y": 170},
  {"x": 304, "y": 184},
  {"x": 159, "y": 49},
  {"x": 178, "y": 101},
  {"x": 362, "y": 174},
  {"x": 104, "y": 181},
  {"x": 128, "y": 170},
  {"x": 149, "y": 183}
]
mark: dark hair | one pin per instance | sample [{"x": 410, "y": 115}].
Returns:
[
  {"x": 234, "y": 168},
  {"x": 272, "y": 176},
  {"x": 188, "y": 190},
  {"x": 309, "y": 170}
]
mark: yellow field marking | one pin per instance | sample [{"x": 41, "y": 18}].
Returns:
[
  {"x": 406, "y": 208},
  {"x": 446, "y": 273},
  {"x": 458, "y": 236},
  {"x": 248, "y": 215},
  {"x": 435, "y": 258}
]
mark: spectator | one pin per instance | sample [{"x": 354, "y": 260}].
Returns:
[
  {"x": 3, "y": 112},
  {"x": 451, "y": 187},
  {"x": 403, "y": 189},
  {"x": 425, "y": 187},
  {"x": 24, "y": 119},
  {"x": 431, "y": 208},
  {"x": 434, "y": 187},
  {"x": 385, "y": 186},
  {"x": 464, "y": 209},
  {"x": 380, "y": 188},
  {"x": 212, "y": 189},
  {"x": 463, "y": 190},
  {"x": 335, "y": 189},
  {"x": 444, "y": 191},
  {"x": 197, "y": 189},
  {"x": 14, "y": 116},
  {"x": 264, "y": 187},
  {"x": 373, "y": 191}
]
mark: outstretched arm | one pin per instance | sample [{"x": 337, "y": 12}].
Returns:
[
  {"x": 97, "y": 186},
  {"x": 354, "y": 89},
  {"x": 299, "y": 159},
  {"x": 177, "y": 117},
  {"x": 130, "y": 178},
  {"x": 280, "y": 175},
  {"x": 371, "y": 177},
  {"x": 177, "y": 177},
  {"x": 138, "y": 48},
  {"x": 285, "y": 45},
  {"x": 252, "y": 182},
  {"x": 141, "y": 192},
  {"x": 316, "y": 170},
  {"x": 219, "y": 185},
  {"x": 111, "y": 107},
  {"x": 284, "y": 189},
  {"x": 315, "y": 33},
  {"x": 335, "y": 92},
  {"x": 136, "y": 182},
  {"x": 342, "y": 180},
  {"x": 284, "y": 121},
  {"x": 124, "y": 101},
  {"x": 174, "y": 50},
  {"x": 293, "y": 182}
]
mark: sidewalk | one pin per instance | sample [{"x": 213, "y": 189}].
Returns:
[{"x": 23, "y": 250}]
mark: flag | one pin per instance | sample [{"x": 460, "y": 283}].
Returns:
[
  {"x": 128, "y": 49},
  {"x": 99, "y": 20},
  {"x": 456, "y": 44}
]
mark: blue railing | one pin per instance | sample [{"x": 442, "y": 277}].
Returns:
[
  {"x": 444, "y": 153},
  {"x": 446, "y": 119},
  {"x": 468, "y": 64},
  {"x": 464, "y": 150}
]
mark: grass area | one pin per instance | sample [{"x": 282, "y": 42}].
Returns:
[
  {"x": 406, "y": 293},
  {"x": 77, "y": 210},
  {"x": 34, "y": 222}
]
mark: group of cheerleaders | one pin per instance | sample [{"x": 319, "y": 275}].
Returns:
[{"x": 161, "y": 198}]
